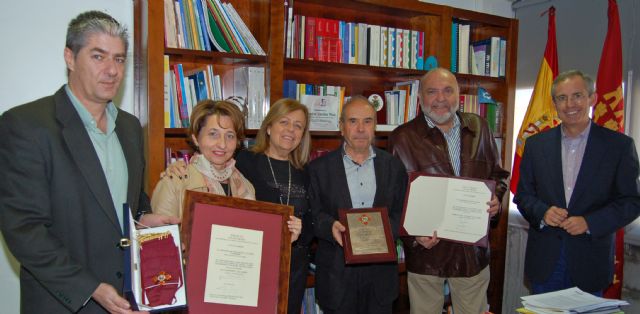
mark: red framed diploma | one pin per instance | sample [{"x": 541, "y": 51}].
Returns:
[
  {"x": 368, "y": 237},
  {"x": 454, "y": 207},
  {"x": 237, "y": 253}
]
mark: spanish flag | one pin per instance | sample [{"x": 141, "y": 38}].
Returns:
[
  {"x": 541, "y": 113},
  {"x": 609, "y": 112}
]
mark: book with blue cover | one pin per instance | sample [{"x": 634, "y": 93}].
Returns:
[
  {"x": 289, "y": 88},
  {"x": 183, "y": 103},
  {"x": 202, "y": 26},
  {"x": 454, "y": 47}
]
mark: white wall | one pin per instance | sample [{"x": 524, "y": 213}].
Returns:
[
  {"x": 495, "y": 7},
  {"x": 35, "y": 30},
  {"x": 32, "y": 66}
]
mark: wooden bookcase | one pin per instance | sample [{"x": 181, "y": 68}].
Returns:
[{"x": 266, "y": 21}]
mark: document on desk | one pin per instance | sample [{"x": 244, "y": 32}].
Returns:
[
  {"x": 454, "y": 207},
  {"x": 572, "y": 300}
]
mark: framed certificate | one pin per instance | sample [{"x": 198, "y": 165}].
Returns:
[
  {"x": 237, "y": 254},
  {"x": 454, "y": 207},
  {"x": 368, "y": 238}
]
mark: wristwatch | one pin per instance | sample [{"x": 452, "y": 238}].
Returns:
[{"x": 140, "y": 213}]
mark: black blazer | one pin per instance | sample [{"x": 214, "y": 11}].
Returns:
[
  {"x": 56, "y": 211},
  {"x": 606, "y": 194},
  {"x": 328, "y": 192}
]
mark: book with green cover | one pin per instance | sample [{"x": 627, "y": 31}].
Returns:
[
  {"x": 213, "y": 8},
  {"x": 233, "y": 29},
  {"x": 216, "y": 34}
]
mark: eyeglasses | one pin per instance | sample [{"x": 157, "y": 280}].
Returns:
[
  {"x": 577, "y": 97},
  {"x": 433, "y": 92}
]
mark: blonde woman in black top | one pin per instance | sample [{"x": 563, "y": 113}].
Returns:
[{"x": 276, "y": 166}]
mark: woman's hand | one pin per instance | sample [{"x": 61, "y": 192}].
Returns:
[
  {"x": 295, "y": 227},
  {"x": 178, "y": 169},
  {"x": 156, "y": 220}
]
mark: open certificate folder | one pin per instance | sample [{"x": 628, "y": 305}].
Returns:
[{"x": 454, "y": 207}]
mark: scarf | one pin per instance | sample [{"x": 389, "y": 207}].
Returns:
[{"x": 213, "y": 177}]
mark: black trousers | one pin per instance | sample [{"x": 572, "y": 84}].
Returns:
[
  {"x": 360, "y": 297},
  {"x": 298, "y": 277}
]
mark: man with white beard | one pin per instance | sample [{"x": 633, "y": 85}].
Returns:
[{"x": 444, "y": 141}]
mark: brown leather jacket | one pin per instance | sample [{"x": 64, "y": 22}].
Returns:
[{"x": 422, "y": 148}]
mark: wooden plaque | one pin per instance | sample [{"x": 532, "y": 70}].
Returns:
[{"x": 368, "y": 238}]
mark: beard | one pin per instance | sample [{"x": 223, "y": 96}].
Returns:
[{"x": 443, "y": 118}]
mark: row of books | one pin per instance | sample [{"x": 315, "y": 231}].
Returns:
[
  {"x": 330, "y": 40},
  {"x": 208, "y": 25},
  {"x": 184, "y": 89},
  {"x": 397, "y": 105},
  {"x": 485, "y": 57},
  {"x": 491, "y": 112},
  {"x": 295, "y": 90},
  {"x": 401, "y": 103},
  {"x": 324, "y": 102}
]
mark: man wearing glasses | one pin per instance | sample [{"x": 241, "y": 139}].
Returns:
[
  {"x": 444, "y": 141},
  {"x": 578, "y": 185}
]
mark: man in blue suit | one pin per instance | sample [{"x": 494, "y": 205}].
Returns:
[{"x": 578, "y": 185}]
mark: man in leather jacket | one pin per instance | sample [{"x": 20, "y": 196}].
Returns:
[{"x": 444, "y": 141}]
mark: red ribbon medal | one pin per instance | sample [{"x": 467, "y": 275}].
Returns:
[{"x": 160, "y": 268}]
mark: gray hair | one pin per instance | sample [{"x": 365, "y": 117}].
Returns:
[
  {"x": 588, "y": 81},
  {"x": 93, "y": 22},
  {"x": 355, "y": 99}
]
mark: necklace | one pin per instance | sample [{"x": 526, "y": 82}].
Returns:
[
  {"x": 214, "y": 177},
  {"x": 206, "y": 168},
  {"x": 276, "y": 182},
  {"x": 220, "y": 176}
]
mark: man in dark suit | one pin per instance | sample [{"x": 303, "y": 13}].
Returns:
[
  {"x": 69, "y": 161},
  {"x": 357, "y": 175},
  {"x": 578, "y": 185}
]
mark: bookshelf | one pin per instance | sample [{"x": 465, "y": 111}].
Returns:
[{"x": 266, "y": 19}]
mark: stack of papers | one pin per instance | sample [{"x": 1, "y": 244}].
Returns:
[{"x": 570, "y": 301}]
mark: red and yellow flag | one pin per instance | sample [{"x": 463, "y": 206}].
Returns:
[
  {"x": 541, "y": 113},
  {"x": 609, "y": 112}
]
